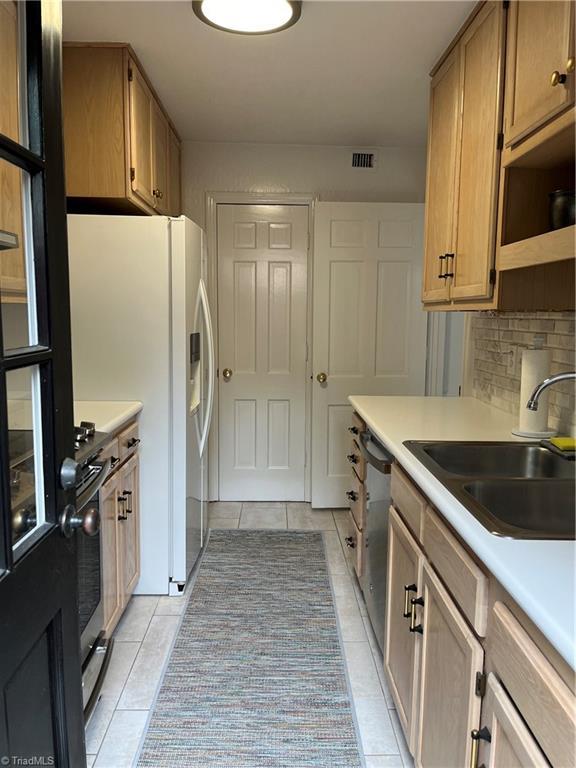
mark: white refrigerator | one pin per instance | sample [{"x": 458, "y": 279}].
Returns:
[{"x": 141, "y": 330}]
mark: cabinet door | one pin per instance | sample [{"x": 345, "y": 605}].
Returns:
[
  {"x": 109, "y": 535},
  {"x": 451, "y": 657},
  {"x": 129, "y": 529},
  {"x": 540, "y": 42},
  {"x": 141, "y": 153},
  {"x": 481, "y": 69},
  {"x": 12, "y": 267},
  {"x": 174, "y": 204},
  {"x": 441, "y": 178},
  {"x": 160, "y": 160},
  {"x": 401, "y": 647},
  {"x": 511, "y": 744}
]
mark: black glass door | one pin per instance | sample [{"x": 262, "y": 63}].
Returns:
[{"x": 41, "y": 719}]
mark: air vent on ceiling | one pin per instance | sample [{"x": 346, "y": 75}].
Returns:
[{"x": 363, "y": 160}]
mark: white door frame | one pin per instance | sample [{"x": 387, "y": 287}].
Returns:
[{"x": 213, "y": 200}]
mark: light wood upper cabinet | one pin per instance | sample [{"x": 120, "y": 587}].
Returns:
[
  {"x": 402, "y": 647},
  {"x": 511, "y": 744},
  {"x": 441, "y": 177},
  {"x": 160, "y": 161},
  {"x": 174, "y": 193},
  {"x": 540, "y": 43},
  {"x": 12, "y": 264},
  {"x": 116, "y": 134},
  {"x": 142, "y": 116},
  {"x": 463, "y": 163},
  {"x": 481, "y": 70},
  {"x": 451, "y": 658}
]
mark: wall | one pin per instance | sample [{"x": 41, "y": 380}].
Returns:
[
  {"x": 493, "y": 381},
  {"x": 324, "y": 171}
]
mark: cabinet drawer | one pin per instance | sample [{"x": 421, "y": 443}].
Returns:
[
  {"x": 358, "y": 546},
  {"x": 357, "y": 501},
  {"x": 111, "y": 451},
  {"x": 357, "y": 426},
  {"x": 356, "y": 460},
  {"x": 407, "y": 500},
  {"x": 128, "y": 441},
  {"x": 542, "y": 697},
  {"x": 465, "y": 580}
]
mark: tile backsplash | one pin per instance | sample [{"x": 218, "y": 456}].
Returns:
[{"x": 497, "y": 343}]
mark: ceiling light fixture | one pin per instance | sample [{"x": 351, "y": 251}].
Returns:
[{"x": 248, "y": 17}]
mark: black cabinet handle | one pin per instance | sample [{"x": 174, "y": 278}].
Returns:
[
  {"x": 352, "y": 495},
  {"x": 353, "y": 430},
  {"x": 413, "y": 626},
  {"x": 350, "y": 542},
  {"x": 122, "y": 500},
  {"x": 352, "y": 458},
  {"x": 407, "y": 589},
  {"x": 133, "y": 442},
  {"x": 129, "y": 495}
]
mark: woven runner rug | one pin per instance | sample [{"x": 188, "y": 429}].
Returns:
[{"x": 256, "y": 678}]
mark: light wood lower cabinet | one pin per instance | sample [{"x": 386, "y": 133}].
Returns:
[
  {"x": 470, "y": 681},
  {"x": 129, "y": 529},
  {"x": 504, "y": 740},
  {"x": 109, "y": 534},
  {"x": 449, "y": 707},
  {"x": 120, "y": 537},
  {"x": 402, "y": 647}
]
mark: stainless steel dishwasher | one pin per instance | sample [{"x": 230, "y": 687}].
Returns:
[{"x": 373, "y": 582}]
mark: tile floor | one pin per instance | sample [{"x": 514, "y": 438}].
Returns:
[{"x": 145, "y": 634}]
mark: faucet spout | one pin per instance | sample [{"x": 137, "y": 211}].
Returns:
[{"x": 532, "y": 403}]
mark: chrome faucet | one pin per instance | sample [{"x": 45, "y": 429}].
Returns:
[{"x": 532, "y": 404}]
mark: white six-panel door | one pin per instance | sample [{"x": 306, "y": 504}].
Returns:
[
  {"x": 369, "y": 328},
  {"x": 262, "y": 276}
]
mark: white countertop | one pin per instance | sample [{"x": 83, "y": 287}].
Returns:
[
  {"x": 108, "y": 415},
  {"x": 539, "y": 575}
]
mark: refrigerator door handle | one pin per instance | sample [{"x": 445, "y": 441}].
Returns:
[{"x": 203, "y": 298}]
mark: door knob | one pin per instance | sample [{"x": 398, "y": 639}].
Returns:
[
  {"x": 88, "y": 519},
  {"x": 322, "y": 378},
  {"x": 227, "y": 374}
]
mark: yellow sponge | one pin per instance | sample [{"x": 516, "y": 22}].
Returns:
[{"x": 564, "y": 443}]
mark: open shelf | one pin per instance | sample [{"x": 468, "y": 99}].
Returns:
[
  {"x": 545, "y": 248},
  {"x": 534, "y": 169}
]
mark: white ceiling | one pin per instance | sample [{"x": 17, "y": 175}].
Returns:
[{"x": 350, "y": 72}]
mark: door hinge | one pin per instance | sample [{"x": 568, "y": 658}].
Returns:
[
  {"x": 308, "y": 241},
  {"x": 130, "y": 75},
  {"x": 480, "y": 687},
  {"x": 492, "y": 277},
  {"x": 500, "y": 141},
  {"x": 132, "y": 174}
]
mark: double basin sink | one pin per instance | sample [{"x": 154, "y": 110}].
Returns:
[{"x": 516, "y": 490}]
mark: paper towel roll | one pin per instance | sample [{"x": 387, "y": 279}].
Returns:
[{"x": 535, "y": 368}]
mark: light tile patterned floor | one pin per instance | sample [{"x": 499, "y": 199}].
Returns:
[{"x": 144, "y": 637}]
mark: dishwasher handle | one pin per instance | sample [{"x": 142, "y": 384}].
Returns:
[{"x": 376, "y": 454}]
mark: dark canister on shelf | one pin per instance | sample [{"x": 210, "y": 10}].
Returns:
[{"x": 561, "y": 208}]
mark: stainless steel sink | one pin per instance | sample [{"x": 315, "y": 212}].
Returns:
[
  {"x": 518, "y": 490},
  {"x": 526, "y": 509},
  {"x": 524, "y": 460}
]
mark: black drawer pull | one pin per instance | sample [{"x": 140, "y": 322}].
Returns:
[{"x": 352, "y": 495}]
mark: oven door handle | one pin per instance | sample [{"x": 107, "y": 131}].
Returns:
[
  {"x": 95, "y": 485},
  {"x": 380, "y": 462}
]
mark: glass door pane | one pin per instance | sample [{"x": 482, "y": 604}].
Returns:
[
  {"x": 17, "y": 287},
  {"x": 25, "y": 453},
  {"x": 12, "y": 84}
]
